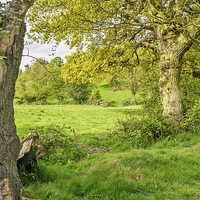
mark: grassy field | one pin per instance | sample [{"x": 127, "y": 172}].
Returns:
[
  {"x": 166, "y": 170},
  {"x": 85, "y": 119}
]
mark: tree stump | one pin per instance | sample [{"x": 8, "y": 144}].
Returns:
[{"x": 27, "y": 157}]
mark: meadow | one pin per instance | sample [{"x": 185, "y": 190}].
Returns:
[
  {"x": 85, "y": 119},
  {"x": 108, "y": 168}
]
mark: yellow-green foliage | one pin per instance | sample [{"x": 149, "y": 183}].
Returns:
[
  {"x": 77, "y": 20},
  {"x": 32, "y": 85},
  {"x": 191, "y": 62},
  {"x": 96, "y": 65},
  {"x": 104, "y": 27}
]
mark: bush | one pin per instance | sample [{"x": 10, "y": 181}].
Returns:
[
  {"x": 61, "y": 147},
  {"x": 142, "y": 132},
  {"x": 127, "y": 102},
  {"x": 190, "y": 91},
  {"x": 79, "y": 93},
  {"x": 151, "y": 101},
  {"x": 191, "y": 120},
  {"x": 95, "y": 97},
  {"x": 153, "y": 126}
]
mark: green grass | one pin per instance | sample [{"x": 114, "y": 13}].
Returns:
[
  {"x": 166, "y": 170},
  {"x": 137, "y": 174},
  {"x": 114, "y": 98},
  {"x": 84, "y": 119}
]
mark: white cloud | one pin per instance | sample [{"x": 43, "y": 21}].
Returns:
[{"x": 42, "y": 51}]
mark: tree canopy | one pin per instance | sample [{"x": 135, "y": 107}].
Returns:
[
  {"x": 111, "y": 23},
  {"x": 114, "y": 30}
]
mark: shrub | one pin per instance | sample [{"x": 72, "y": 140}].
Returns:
[
  {"x": 79, "y": 93},
  {"x": 190, "y": 91},
  {"x": 153, "y": 126},
  {"x": 61, "y": 147},
  {"x": 95, "y": 97},
  {"x": 191, "y": 120},
  {"x": 142, "y": 132},
  {"x": 127, "y": 102},
  {"x": 151, "y": 100}
]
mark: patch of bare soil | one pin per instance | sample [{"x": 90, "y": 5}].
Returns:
[{"x": 89, "y": 149}]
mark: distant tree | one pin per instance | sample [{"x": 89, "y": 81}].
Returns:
[
  {"x": 79, "y": 92},
  {"x": 57, "y": 84},
  {"x": 40, "y": 81},
  {"x": 33, "y": 83}
]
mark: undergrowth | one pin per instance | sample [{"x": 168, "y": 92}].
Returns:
[
  {"x": 61, "y": 146},
  {"x": 152, "y": 173},
  {"x": 153, "y": 125}
]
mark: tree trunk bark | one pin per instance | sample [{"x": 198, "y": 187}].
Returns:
[
  {"x": 11, "y": 47},
  {"x": 170, "y": 70},
  {"x": 171, "y": 48},
  {"x": 171, "y": 52},
  {"x": 9, "y": 141}
]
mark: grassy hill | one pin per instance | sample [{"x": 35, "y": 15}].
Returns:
[{"x": 114, "y": 98}]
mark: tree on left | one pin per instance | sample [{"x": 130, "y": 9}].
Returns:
[{"x": 12, "y": 32}]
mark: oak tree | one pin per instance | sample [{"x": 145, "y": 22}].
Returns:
[{"x": 168, "y": 27}]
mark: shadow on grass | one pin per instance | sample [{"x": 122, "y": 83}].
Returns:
[
  {"x": 112, "y": 103},
  {"x": 105, "y": 86}
]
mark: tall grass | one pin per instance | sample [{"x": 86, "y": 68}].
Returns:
[{"x": 137, "y": 174}]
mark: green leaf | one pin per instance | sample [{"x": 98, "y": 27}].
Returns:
[
  {"x": 2, "y": 57},
  {"x": 1, "y": 107}
]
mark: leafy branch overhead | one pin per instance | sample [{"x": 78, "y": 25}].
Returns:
[{"x": 109, "y": 23}]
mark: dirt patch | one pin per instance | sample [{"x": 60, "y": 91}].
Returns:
[
  {"x": 116, "y": 89},
  {"x": 89, "y": 149}
]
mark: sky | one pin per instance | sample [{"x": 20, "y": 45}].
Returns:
[{"x": 42, "y": 51}]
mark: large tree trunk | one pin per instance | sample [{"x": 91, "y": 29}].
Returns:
[
  {"x": 170, "y": 70},
  {"x": 175, "y": 32},
  {"x": 171, "y": 49},
  {"x": 11, "y": 47}
]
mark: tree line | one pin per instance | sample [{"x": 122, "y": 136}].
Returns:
[{"x": 42, "y": 80}]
